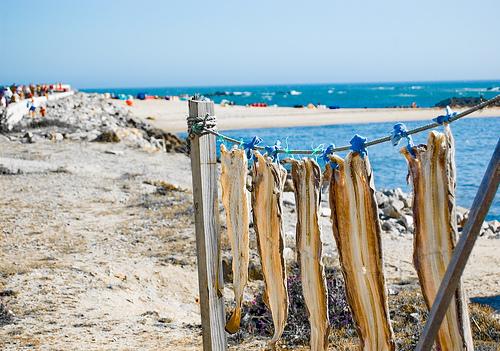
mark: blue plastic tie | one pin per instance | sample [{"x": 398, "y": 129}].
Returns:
[
  {"x": 317, "y": 151},
  {"x": 399, "y": 132},
  {"x": 221, "y": 141},
  {"x": 326, "y": 152},
  {"x": 250, "y": 145},
  {"x": 445, "y": 118},
  {"x": 358, "y": 144},
  {"x": 273, "y": 150}
]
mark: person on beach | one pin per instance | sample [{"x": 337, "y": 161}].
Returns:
[
  {"x": 32, "y": 107},
  {"x": 7, "y": 93},
  {"x": 3, "y": 101},
  {"x": 42, "y": 111}
]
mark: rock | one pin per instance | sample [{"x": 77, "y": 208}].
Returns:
[
  {"x": 289, "y": 186},
  {"x": 163, "y": 187},
  {"x": 227, "y": 270},
  {"x": 495, "y": 236},
  {"x": 462, "y": 215},
  {"x": 487, "y": 233},
  {"x": 387, "y": 226},
  {"x": 54, "y": 136},
  {"x": 392, "y": 291},
  {"x": 397, "y": 204},
  {"x": 393, "y": 209},
  {"x": 29, "y": 137},
  {"x": 288, "y": 203},
  {"x": 290, "y": 239},
  {"x": 407, "y": 222},
  {"x": 381, "y": 198},
  {"x": 108, "y": 136},
  {"x": 165, "y": 320},
  {"x": 114, "y": 152},
  {"x": 484, "y": 229},
  {"x": 288, "y": 255},
  {"x": 254, "y": 271},
  {"x": 414, "y": 317},
  {"x": 494, "y": 226},
  {"x": 465, "y": 101},
  {"x": 325, "y": 212}
]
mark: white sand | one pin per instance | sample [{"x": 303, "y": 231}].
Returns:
[{"x": 171, "y": 115}]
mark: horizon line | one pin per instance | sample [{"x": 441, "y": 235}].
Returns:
[{"x": 290, "y": 84}]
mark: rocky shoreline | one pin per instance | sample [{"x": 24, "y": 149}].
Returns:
[{"x": 93, "y": 118}]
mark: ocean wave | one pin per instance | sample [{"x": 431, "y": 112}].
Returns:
[
  {"x": 382, "y": 88},
  {"x": 404, "y": 95},
  {"x": 330, "y": 91},
  {"x": 241, "y": 93},
  {"x": 416, "y": 87},
  {"x": 479, "y": 90},
  {"x": 341, "y": 92}
]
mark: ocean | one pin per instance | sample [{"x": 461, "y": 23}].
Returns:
[
  {"x": 475, "y": 141},
  {"x": 475, "y": 137},
  {"x": 424, "y": 94}
]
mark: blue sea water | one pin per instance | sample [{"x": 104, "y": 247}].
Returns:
[
  {"x": 475, "y": 137},
  {"x": 424, "y": 94},
  {"x": 475, "y": 140}
]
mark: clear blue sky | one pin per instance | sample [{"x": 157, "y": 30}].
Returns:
[{"x": 99, "y": 43}]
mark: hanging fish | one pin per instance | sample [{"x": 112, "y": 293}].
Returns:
[
  {"x": 356, "y": 229},
  {"x": 432, "y": 171},
  {"x": 268, "y": 182},
  {"x": 235, "y": 200},
  {"x": 306, "y": 175}
]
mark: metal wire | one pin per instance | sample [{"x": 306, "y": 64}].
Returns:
[{"x": 372, "y": 142}]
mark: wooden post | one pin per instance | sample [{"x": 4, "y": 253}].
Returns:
[
  {"x": 482, "y": 201},
  {"x": 206, "y": 207}
]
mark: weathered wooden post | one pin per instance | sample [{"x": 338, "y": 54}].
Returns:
[{"x": 206, "y": 207}]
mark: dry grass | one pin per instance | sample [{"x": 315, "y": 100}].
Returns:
[{"x": 407, "y": 310}]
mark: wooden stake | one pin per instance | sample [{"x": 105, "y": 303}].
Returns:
[
  {"x": 206, "y": 207},
  {"x": 484, "y": 198}
]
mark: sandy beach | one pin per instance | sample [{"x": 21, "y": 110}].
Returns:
[
  {"x": 97, "y": 247},
  {"x": 171, "y": 115}
]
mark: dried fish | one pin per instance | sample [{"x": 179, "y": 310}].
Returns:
[
  {"x": 306, "y": 175},
  {"x": 268, "y": 182},
  {"x": 432, "y": 171},
  {"x": 235, "y": 200},
  {"x": 356, "y": 229}
]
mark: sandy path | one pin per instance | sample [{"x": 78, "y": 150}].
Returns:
[
  {"x": 90, "y": 254},
  {"x": 171, "y": 115}
]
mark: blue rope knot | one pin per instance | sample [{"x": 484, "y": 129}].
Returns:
[
  {"x": 250, "y": 145},
  {"x": 273, "y": 150},
  {"x": 358, "y": 144},
  {"x": 399, "y": 132},
  {"x": 445, "y": 118},
  {"x": 325, "y": 156}
]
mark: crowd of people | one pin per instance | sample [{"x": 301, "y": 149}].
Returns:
[{"x": 16, "y": 93}]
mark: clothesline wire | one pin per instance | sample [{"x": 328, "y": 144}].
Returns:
[{"x": 368, "y": 143}]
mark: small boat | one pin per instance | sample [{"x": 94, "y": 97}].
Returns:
[{"x": 294, "y": 92}]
